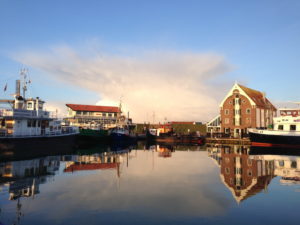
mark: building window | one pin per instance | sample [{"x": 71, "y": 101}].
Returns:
[
  {"x": 292, "y": 127},
  {"x": 227, "y": 170},
  {"x": 249, "y": 173},
  {"x": 230, "y": 102},
  {"x": 78, "y": 112},
  {"x": 237, "y": 101},
  {"x": 226, "y": 120},
  {"x": 227, "y": 160},
  {"x": 226, "y": 112},
  {"x": 249, "y": 162},
  {"x": 280, "y": 127},
  {"x": 248, "y": 120},
  {"x": 248, "y": 111}
]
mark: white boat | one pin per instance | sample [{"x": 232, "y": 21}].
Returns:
[
  {"x": 24, "y": 122},
  {"x": 286, "y": 131}
]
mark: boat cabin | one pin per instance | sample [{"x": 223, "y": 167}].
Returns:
[
  {"x": 289, "y": 120},
  {"x": 27, "y": 117}
]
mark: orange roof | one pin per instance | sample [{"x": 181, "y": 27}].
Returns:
[
  {"x": 93, "y": 108},
  {"x": 91, "y": 166},
  {"x": 258, "y": 97}
]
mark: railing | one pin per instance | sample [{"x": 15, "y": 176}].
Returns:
[
  {"x": 24, "y": 113},
  {"x": 63, "y": 131}
]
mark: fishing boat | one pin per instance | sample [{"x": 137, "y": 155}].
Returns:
[
  {"x": 123, "y": 131},
  {"x": 24, "y": 123},
  {"x": 286, "y": 131}
]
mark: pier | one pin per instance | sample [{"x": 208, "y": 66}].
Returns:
[{"x": 238, "y": 141}]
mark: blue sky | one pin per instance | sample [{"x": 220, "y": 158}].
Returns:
[{"x": 259, "y": 40}]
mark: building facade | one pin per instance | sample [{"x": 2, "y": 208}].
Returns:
[
  {"x": 244, "y": 108},
  {"x": 92, "y": 115}
]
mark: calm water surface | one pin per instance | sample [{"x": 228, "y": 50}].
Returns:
[{"x": 158, "y": 185}]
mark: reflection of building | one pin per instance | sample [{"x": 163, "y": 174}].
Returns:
[
  {"x": 288, "y": 167},
  {"x": 23, "y": 177},
  {"x": 242, "y": 175},
  {"x": 107, "y": 160},
  {"x": 92, "y": 115},
  {"x": 164, "y": 151},
  {"x": 244, "y": 108}
]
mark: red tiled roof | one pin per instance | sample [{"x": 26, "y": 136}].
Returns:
[
  {"x": 91, "y": 166},
  {"x": 93, "y": 108},
  {"x": 258, "y": 97}
]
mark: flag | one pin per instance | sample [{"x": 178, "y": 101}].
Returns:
[{"x": 5, "y": 88}]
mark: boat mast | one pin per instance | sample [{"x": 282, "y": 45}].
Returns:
[{"x": 23, "y": 74}]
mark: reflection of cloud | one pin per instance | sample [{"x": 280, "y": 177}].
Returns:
[
  {"x": 184, "y": 186},
  {"x": 173, "y": 85}
]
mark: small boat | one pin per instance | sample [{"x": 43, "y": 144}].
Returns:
[
  {"x": 286, "y": 132},
  {"x": 165, "y": 134},
  {"x": 25, "y": 124}
]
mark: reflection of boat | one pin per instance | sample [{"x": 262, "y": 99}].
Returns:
[
  {"x": 286, "y": 132},
  {"x": 287, "y": 167},
  {"x": 26, "y": 123}
]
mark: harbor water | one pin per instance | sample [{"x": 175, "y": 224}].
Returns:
[{"x": 151, "y": 185}]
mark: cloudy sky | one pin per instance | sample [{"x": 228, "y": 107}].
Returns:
[{"x": 172, "y": 59}]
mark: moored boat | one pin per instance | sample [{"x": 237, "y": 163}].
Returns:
[
  {"x": 25, "y": 124},
  {"x": 286, "y": 131}
]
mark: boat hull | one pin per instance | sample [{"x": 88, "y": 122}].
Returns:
[
  {"x": 49, "y": 144},
  {"x": 274, "y": 140},
  {"x": 119, "y": 137}
]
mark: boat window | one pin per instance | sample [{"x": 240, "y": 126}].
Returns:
[
  {"x": 294, "y": 164},
  {"x": 280, "y": 127},
  {"x": 281, "y": 163},
  {"x": 292, "y": 127},
  {"x": 29, "y": 105},
  {"x": 28, "y": 123}
]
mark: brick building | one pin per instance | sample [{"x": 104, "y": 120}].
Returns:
[{"x": 244, "y": 108}]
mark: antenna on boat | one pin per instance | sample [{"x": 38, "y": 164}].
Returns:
[{"x": 23, "y": 74}]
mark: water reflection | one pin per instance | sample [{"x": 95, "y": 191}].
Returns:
[
  {"x": 242, "y": 174},
  {"x": 159, "y": 184}
]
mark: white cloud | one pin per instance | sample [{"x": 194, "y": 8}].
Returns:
[{"x": 173, "y": 85}]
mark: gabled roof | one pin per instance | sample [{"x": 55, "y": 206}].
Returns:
[
  {"x": 255, "y": 97},
  {"x": 258, "y": 97},
  {"x": 93, "y": 108}
]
